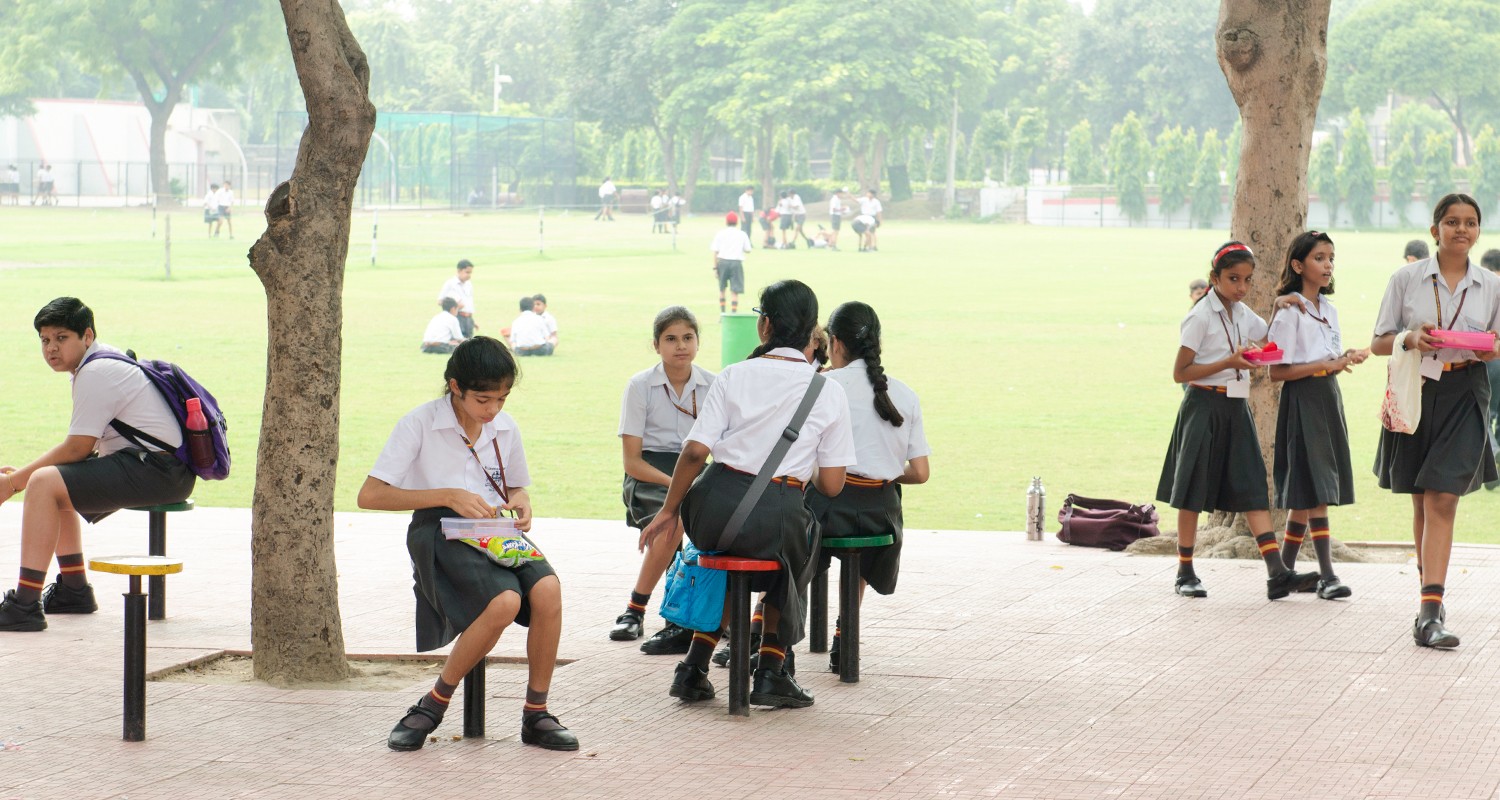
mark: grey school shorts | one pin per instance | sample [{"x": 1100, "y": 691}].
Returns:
[
  {"x": 732, "y": 275},
  {"x": 129, "y": 478}
]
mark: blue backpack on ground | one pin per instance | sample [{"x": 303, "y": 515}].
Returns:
[
  {"x": 177, "y": 387},
  {"x": 695, "y": 595}
]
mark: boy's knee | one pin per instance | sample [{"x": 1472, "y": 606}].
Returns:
[
  {"x": 502, "y": 610},
  {"x": 47, "y": 485},
  {"x": 546, "y": 596}
]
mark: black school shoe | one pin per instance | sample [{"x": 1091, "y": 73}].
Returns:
[
  {"x": 1333, "y": 589},
  {"x": 551, "y": 738},
  {"x": 778, "y": 689},
  {"x": 627, "y": 628},
  {"x": 404, "y": 738},
  {"x": 58, "y": 598},
  {"x": 18, "y": 616},
  {"x": 1432, "y": 634},
  {"x": 672, "y": 640},
  {"x": 691, "y": 683},
  {"x": 1284, "y": 583},
  {"x": 1191, "y": 587},
  {"x": 721, "y": 658}
]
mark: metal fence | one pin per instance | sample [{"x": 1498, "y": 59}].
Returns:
[
  {"x": 98, "y": 184},
  {"x": 448, "y": 160}
]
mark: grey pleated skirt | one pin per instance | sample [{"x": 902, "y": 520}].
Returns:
[
  {"x": 454, "y": 582},
  {"x": 642, "y": 499},
  {"x": 1450, "y": 449},
  {"x": 1214, "y": 461},
  {"x": 780, "y": 528},
  {"x": 1312, "y": 467},
  {"x": 863, "y": 511}
]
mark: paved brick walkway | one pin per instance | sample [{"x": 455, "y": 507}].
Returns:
[{"x": 1002, "y": 668}]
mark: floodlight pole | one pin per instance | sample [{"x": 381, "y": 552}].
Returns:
[
  {"x": 541, "y": 240},
  {"x": 374, "y": 234},
  {"x": 391, "y": 158}
]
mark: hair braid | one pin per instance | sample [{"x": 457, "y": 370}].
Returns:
[{"x": 856, "y": 325}]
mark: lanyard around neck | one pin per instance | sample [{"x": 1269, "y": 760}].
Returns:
[
  {"x": 694, "y": 412},
  {"x": 1439, "y": 304},
  {"x": 785, "y": 358},
  {"x": 1233, "y": 342},
  {"x": 498, "y": 487}
]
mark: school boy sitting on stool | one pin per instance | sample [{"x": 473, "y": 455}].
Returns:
[{"x": 68, "y": 481}]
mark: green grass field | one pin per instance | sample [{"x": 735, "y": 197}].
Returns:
[{"x": 1036, "y": 351}]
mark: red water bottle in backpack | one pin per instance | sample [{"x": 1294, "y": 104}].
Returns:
[{"x": 200, "y": 443}]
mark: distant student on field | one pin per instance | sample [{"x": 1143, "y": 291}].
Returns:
[
  {"x": 461, "y": 289},
  {"x": 211, "y": 209},
  {"x": 747, "y": 209},
  {"x": 1416, "y": 250},
  {"x": 1196, "y": 289},
  {"x": 528, "y": 333},
  {"x": 443, "y": 333},
  {"x": 729, "y": 248},
  {"x": 226, "y": 205},
  {"x": 539, "y": 307},
  {"x": 838, "y": 206},
  {"x": 870, "y": 206}
]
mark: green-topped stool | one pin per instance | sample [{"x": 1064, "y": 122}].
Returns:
[
  {"x": 156, "y": 545},
  {"x": 135, "y": 631},
  {"x": 738, "y": 592},
  {"x": 848, "y": 549}
]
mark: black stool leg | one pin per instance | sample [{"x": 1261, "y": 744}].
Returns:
[
  {"x": 156, "y": 545},
  {"x": 135, "y": 662},
  {"x": 739, "y": 644},
  {"x": 474, "y": 701},
  {"x": 849, "y": 613},
  {"x": 817, "y": 627}
]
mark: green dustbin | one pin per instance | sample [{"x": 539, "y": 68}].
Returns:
[{"x": 737, "y": 337}]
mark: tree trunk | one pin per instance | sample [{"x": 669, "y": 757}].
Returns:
[
  {"x": 861, "y": 164},
  {"x": 296, "y": 629},
  {"x": 877, "y": 161},
  {"x": 668, "y": 144},
  {"x": 696, "y": 143},
  {"x": 1274, "y": 57},
  {"x": 161, "y": 183},
  {"x": 764, "y": 145},
  {"x": 950, "y": 187}
]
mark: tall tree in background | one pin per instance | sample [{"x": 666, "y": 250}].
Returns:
[
  {"x": 1176, "y": 155},
  {"x": 1207, "y": 192},
  {"x": 296, "y": 629},
  {"x": 1484, "y": 175},
  {"x": 1443, "y": 50},
  {"x": 1323, "y": 179},
  {"x": 1437, "y": 164},
  {"x": 1357, "y": 171},
  {"x": 159, "y": 45},
  {"x": 1081, "y": 158},
  {"x": 1129, "y": 161},
  {"x": 1274, "y": 57},
  {"x": 1403, "y": 179}
]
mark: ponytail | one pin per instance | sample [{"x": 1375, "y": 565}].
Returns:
[
  {"x": 855, "y": 324},
  {"x": 792, "y": 309}
]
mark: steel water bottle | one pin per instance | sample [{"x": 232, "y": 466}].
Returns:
[{"x": 1036, "y": 509}]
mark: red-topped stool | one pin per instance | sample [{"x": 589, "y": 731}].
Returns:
[{"x": 739, "y": 570}]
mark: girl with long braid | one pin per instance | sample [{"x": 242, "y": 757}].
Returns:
[
  {"x": 739, "y": 422},
  {"x": 890, "y": 448}
]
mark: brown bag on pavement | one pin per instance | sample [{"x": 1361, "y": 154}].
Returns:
[{"x": 1111, "y": 524}]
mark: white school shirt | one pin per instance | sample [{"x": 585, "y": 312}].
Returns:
[
  {"x": 882, "y": 448},
  {"x": 835, "y": 207},
  {"x": 784, "y": 206},
  {"x": 730, "y": 244},
  {"x": 226, "y": 197},
  {"x": 443, "y": 328},
  {"x": 649, "y": 408},
  {"x": 751, "y": 403},
  {"x": 462, "y": 291},
  {"x": 527, "y": 331},
  {"x": 1208, "y": 331},
  {"x": 1408, "y": 302},
  {"x": 105, "y": 390},
  {"x": 211, "y": 200},
  {"x": 796, "y": 205},
  {"x": 551, "y": 322},
  {"x": 606, "y": 190},
  {"x": 656, "y": 202},
  {"x": 747, "y": 203},
  {"x": 427, "y": 451},
  {"x": 870, "y": 206},
  {"x": 1305, "y": 338}
]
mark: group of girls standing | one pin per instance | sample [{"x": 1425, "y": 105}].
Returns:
[
  {"x": 1214, "y": 460},
  {"x": 461, "y": 456}
]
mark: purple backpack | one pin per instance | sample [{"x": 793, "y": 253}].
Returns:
[{"x": 177, "y": 387}]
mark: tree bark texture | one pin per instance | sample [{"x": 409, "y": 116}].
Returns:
[
  {"x": 296, "y": 629},
  {"x": 1274, "y": 56}
]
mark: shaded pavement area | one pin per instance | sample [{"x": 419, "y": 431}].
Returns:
[{"x": 1000, "y": 668}]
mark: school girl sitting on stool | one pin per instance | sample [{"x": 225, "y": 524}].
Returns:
[
  {"x": 1449, "y": 454},
  {"x": 749, "y": 406},
  {"x": 1311, "y": 470},
  {"x": 461, "y": 456},
  {"x": 1214, "y": 461},
  {"x": 890, "y": 446},
  {"x": 656, "y": 414}
]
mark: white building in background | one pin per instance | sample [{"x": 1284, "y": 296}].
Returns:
[{"x": 100, "y": 149}]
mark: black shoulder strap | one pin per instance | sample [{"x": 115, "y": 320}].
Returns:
[{"x": 773, "y": 463}]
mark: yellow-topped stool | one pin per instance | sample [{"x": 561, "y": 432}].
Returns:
[{"x": 135, "y": 631}]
